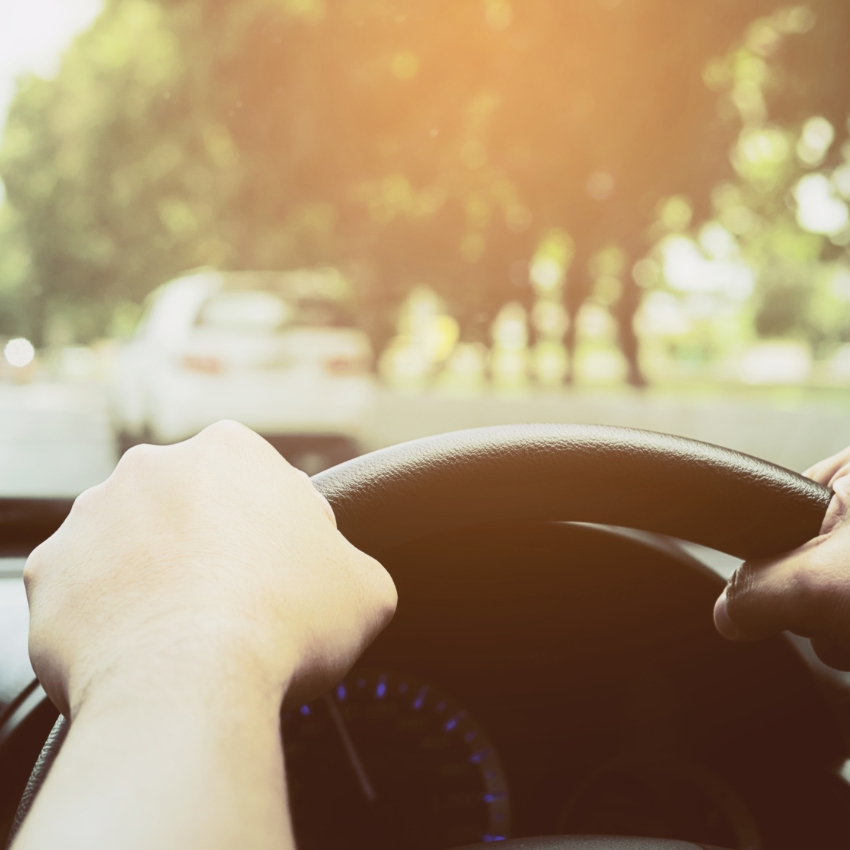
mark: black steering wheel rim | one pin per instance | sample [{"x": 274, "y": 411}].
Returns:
[
  {"x": 683, "y": 488},
  {"x": 654, "y": 482}
]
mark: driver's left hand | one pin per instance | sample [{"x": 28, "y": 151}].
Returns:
[{"x": 206, "y": 556}]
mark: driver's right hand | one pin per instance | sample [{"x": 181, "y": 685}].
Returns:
[{"x": 805, "y": 591}]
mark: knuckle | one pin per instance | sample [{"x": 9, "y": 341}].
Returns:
[
  {"x": 808, "y": 584},
  {"x": 85, "y": 498},
  {"x": 137, "y": 457},
  {"x": 385, "y": 594},
  {"x": 225, "y": 431},
  {"x": 87, "y": 503},
  {"x": 227, "y": 434},
  {"x": 843, "y": 471},
  {"x": 32, "y": 567},
  {"x": 375, "y": 588},
  {"x": 388, "y": 603},
  {"x": 841, "y": 489}
]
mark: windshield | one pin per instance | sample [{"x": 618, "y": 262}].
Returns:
[{"x": 349, "y": 224}]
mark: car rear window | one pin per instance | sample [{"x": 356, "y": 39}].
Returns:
[{"x": 268, "y": 312}]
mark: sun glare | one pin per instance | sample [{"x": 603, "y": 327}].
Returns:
[{"x": 34, "y": 35}]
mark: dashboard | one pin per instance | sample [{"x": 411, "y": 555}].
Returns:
[
  {"x": 564, "y": 679},
  {"x": 556, "y": 678}
]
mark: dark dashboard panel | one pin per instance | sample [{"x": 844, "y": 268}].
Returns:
[
  {"x": 582, "y": 650},
  {"x": 587, "y": 658}
]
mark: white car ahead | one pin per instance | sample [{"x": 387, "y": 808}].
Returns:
[{"x": 277, "y": 351}]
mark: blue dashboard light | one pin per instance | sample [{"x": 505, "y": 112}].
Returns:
[
  {"x": 454, "y": 721},
  {"x": 388, "y": 714}
]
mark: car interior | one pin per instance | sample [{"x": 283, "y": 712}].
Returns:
[{"x": 553, "y": 673}]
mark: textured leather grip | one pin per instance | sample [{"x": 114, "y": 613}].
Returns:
[
  {"x": 618, "y": 476},
  {"x": 39, "y": 773}
]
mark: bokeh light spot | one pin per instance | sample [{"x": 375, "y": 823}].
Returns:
[
  {"x": 819, "y": 210},
  {"x": 19, "y": 352},
  {"x": 405, "y": 65},
  {"x": 818, "y": 134}
]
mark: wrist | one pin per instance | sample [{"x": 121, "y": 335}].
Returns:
[
  {"x": 197, "y": 763},
  {"x": 208, "y": 677}
]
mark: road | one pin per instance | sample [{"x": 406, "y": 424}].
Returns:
[{"x": 55, "y": 438}]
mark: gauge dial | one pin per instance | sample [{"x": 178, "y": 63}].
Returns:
[{"x": 389, "y": 761}]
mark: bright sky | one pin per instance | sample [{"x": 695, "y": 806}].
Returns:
[{"x": 33, "y": 36}]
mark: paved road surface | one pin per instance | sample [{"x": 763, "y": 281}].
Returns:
[{"x": 55, "y": 438}]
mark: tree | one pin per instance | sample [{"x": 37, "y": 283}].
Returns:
[{"x": 420, "y": 142}]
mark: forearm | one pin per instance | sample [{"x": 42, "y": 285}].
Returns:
[
  {"x": 176, "y": 605},
  {"x": 166, "y": 774}
]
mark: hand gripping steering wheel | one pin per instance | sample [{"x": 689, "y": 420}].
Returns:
[{"x": 694, "y": 491}]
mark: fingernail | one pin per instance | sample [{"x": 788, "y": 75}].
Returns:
[{"x": 723, "y": 621}]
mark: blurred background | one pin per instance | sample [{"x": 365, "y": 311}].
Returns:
[{"x": 348, "y": 223}]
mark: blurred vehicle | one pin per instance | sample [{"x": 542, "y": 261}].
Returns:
[{"x": 277, "y": 351}]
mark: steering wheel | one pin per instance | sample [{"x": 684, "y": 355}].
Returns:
[{"x": 694, "y": 491}]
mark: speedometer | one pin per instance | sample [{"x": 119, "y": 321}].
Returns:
[{"x": 389, "y": 761}]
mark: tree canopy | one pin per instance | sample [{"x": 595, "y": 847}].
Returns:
[{"x": 412, "y": 142}]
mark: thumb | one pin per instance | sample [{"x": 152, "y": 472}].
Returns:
[
  {"x": 767, "y": 596},
  {"x": 787, "y": 592},
  {"x": 805, "y": 591}
]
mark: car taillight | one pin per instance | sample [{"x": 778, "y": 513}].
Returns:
[
  {"x": 203, "y": 363},
  {"x": 345, "y": 365}
]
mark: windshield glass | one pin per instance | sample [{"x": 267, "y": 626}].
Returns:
[
  {"x": 267, "y": 312},
  {"x": 355, "y": 223},
  {"x": 244, "y": 312}
]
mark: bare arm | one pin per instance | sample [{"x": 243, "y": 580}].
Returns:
[
  {"x": 182, "y": 601},
  {"x": 142, "y": 771}
]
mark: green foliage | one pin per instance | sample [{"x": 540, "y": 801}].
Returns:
[
  {"x": 419, "y": 143},
  {"x": 14, "y": 274}
]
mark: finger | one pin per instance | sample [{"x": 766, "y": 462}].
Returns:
[
  {"x": 839, "y": 475},
  {"x": 769, "y": 596},
  {"x": 825, "y": 470},
  {"x": 839, "y": 505}
]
